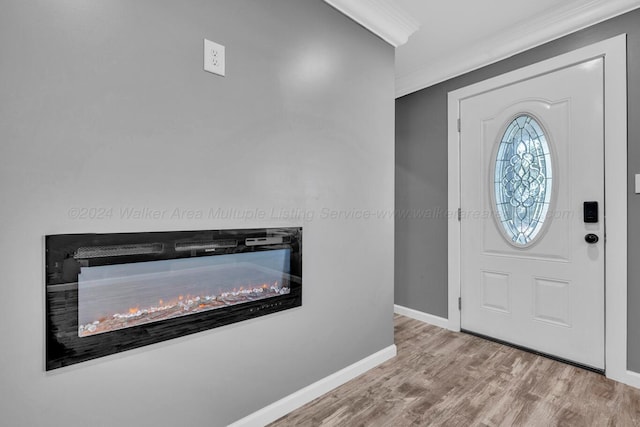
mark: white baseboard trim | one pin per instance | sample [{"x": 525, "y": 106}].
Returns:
[
  {"x": 632, "y": 379},
  {"x": 295, "y": 400},
  {"x": 627, "y": 377},
  {"x": 421, "y": 316}
]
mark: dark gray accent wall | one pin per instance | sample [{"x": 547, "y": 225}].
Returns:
[
  {"x": 108, "y": 123},
  {"x": 421, "y": 202},
  {"x": 421, "y": 175}
]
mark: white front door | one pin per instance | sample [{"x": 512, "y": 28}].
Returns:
[{"x": 531, "y": 154}]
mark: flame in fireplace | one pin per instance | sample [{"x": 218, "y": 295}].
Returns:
[{"x": 182, "y": 305}]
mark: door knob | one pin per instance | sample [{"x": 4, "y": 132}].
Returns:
[{"x": 591, "y": 238}]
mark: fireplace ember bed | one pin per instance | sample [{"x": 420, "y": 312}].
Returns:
[{"x": 107, "y": 293}]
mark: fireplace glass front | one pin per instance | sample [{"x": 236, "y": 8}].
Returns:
[{"x": 112, "y": 292}]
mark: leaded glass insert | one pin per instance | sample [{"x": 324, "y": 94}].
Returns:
[{"x": 523, "y": 180}]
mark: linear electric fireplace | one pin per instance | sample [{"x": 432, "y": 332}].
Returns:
[{"x": 107, "y": 293}]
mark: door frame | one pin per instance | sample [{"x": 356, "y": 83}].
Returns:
[{"x": 614, "y": 52}]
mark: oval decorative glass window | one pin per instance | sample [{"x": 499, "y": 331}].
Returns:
[{"x": 523, "y": 180}]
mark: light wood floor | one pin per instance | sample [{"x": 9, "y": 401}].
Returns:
[{"x": 442, "y": 378}]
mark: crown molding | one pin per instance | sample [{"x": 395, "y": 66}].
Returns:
[
  {"x": 519, "y": 38},
  {"x": 382, "y": 17}
]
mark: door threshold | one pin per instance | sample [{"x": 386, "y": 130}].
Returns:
[{"x": 536, "y": 352}]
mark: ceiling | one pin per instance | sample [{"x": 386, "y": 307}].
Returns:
[{"x": 457, "y": 36}]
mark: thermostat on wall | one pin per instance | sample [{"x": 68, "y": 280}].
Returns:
[{"x": 638, "y": 183}]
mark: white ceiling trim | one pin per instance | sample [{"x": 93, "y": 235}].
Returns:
[
  {"x": 382, "y": 17},
  {"x": 543, "y": 29}
]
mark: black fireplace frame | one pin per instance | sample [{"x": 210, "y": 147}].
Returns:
[{"x": 66, "y": 253}]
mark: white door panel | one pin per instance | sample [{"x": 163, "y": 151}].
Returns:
[{"x": 546, "y": 294}]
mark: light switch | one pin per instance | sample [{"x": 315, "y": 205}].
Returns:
[
  {"x": 214, "y": 60},
  {"x": 637, "y": 183}
]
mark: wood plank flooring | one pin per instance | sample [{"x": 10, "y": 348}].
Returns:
[{"x": 443, "y": 378}]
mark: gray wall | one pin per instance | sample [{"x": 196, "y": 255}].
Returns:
[
  {"x": 421, "y": 175},
  {"x": 104, "y": 104}
]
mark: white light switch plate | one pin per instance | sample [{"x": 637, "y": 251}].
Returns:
[
  {"x": 214, "y": 60},
  {"x": 637, "y": 183}
]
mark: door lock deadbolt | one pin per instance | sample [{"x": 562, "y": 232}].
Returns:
[{"x": 591, "y": 238}]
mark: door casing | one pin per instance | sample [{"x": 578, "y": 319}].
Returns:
[{"x": 614, "y": 52}]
